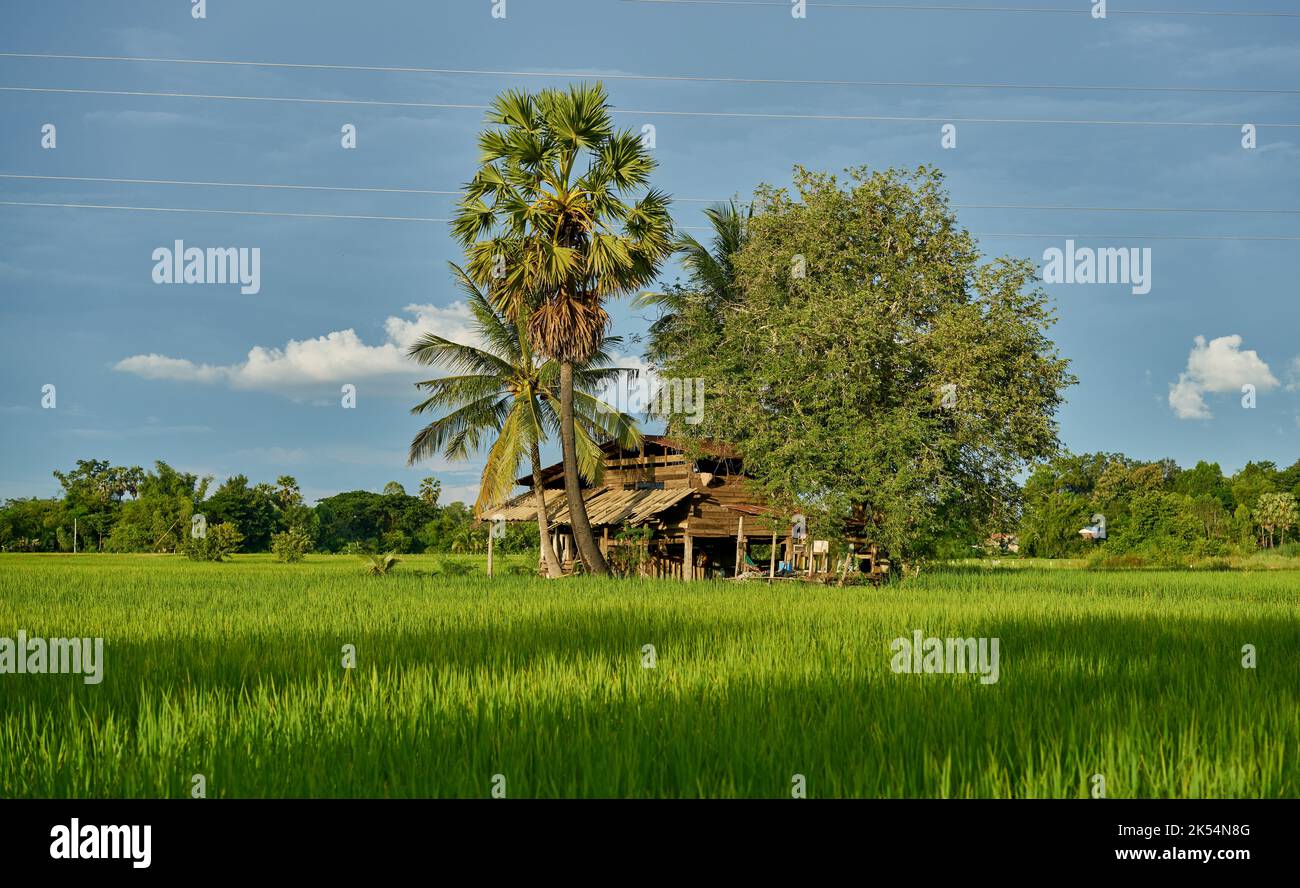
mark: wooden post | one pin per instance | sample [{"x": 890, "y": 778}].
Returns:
[
  {"x": 491, "y": 539},
  {"x": 740, "y": 544},
  {"x": 771, "y": 569},
  {"x": 604, "y": 541},
  {"x": 688, "y": 557}
]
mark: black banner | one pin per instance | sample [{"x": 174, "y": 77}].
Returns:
[{"x": 337, "y": 837}]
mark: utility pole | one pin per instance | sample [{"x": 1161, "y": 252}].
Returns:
[{"x": 74, "y": 534}]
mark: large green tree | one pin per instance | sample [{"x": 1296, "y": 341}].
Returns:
[
  {"x": 558, "y": 219},
  {"x": 503, "y": 390},
  {"x": 873, "y": 363}
]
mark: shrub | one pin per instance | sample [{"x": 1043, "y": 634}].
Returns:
[
  {"x": 292, "y": 545},
  {"x": 219, "y": 541},
  {"x": 381, "y": 565},
  {"x": 629, "y": 550}
]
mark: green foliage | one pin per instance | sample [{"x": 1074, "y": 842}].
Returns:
[
  {"x": 159, "y": 517},
  {"x": 559, "y": 218},
  {"x": 829, "y": 374},
  {"x": 378, "y": 565},
  {"x": 628, "y": 549},
  {"x": 1157, "y": 522},
  {"x": 1276, "y": 513},
  {"x": 252, "y": 509},
  {"x": 218, "y": 543},
  {"x": 1136, "y": 675},
  {"x": 504, "y": 394},
  {"x": 452, "y": 568},
  {"x": 390, "y": 521},
  {"x": 291, "y": 545},
  {"x": 1155, "y": 512},
  {"x": 33, "y": 525}
]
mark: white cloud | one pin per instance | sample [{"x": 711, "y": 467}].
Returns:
[
  {"x": 1293, "y": 375},
  {"x": 337, "y": 357},
  {"x": 1216, "y": 367}
]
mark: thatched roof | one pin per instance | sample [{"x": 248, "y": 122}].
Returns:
[{"x": 605, "y": 506}]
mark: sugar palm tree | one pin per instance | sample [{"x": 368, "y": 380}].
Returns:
[
  {"x": 502, "y": 388},
  {"x": 559, "y": 218}
]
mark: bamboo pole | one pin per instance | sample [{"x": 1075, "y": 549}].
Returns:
[{"x": 771, "y": 568}]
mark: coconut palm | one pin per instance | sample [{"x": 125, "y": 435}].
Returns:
[
  {"x": 710, "y": 285},
  {"x": 380, "y": 565},
  {"x": 503, "y": 388},
  {"x": 558, "y": 219}
]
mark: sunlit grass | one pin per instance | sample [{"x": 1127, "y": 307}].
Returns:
[{"x": 235, "y": 671}]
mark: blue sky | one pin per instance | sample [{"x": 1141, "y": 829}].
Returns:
[{"x": 219, "y": 382}]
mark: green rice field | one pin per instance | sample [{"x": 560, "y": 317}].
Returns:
[{"x": 461, "y": 683}]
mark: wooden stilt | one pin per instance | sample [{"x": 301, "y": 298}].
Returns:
[
  {"x": 771, "y": 568},
  {"x": 688, "y": 557},
  {"x": 740, "y": 544}
]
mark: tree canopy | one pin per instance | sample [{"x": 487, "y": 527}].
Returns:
[{"x": 867, "y": 359}]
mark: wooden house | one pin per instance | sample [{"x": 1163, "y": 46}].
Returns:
[{"x": 702, "y": 513}]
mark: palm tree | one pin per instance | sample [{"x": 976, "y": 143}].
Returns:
[
  {"x": 550, "y": 231},
  {"x": 711, "y": 283},
  {"x": 430, "y": 490},
  {"x": 286, "y": 491},
  {"x": 380, "y": 565},
  {"x": 503, "y": 388}
]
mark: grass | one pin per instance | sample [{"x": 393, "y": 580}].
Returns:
[{"x": 234, "y": 671}]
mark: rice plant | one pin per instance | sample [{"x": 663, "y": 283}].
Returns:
[{"x": 237, "y": 671}]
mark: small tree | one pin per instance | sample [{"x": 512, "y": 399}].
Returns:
[
  {"x": 381, "y": 565},
  {"x": 220, "y": 541},
  {"x": 291, "y": 545},
  {"x": 1276, "y": 512}
]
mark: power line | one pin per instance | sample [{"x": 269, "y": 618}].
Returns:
[
  {"x": 1192, "y": 237},
  {"x": 1087, "y": 209},
  {"x": 451, "y": 193},
  {"x": 72, "y": 206},
  {"x": 83, "y": 206},
  {"x": 687, "y": 78},
  {"x": 114, "y": 180},
  {"x": 651, "y": 113},
  {"x": 928, "y": 7},
  {"x": 176, "y": 95}
]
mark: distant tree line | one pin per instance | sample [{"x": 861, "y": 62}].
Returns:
[
  {"x": 1157, "y": 508},
  {"x": 130, "y": 509}
]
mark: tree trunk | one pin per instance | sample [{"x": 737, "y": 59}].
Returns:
[
  {"x": 583, "y": 538},
  {"x": 543, "y": 522}
]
